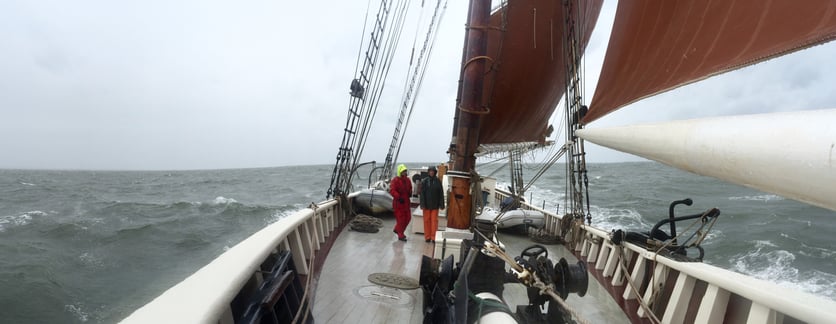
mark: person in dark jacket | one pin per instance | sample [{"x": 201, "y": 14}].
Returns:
[
  {"x": 401, "y": 189},
  {"x": 432, "y": 199}
]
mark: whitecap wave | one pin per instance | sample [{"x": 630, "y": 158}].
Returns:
[
  {"x": 279, "y": 214},
  {"x": 764, "y": 198},
  {"x": 19, "y": 220},
  {"x": 777, "y": 266},
  {"x": 223, "y": 201},
  {"x": 764, "y": 243},
  {"x": 772, "y": 265},
  {"x": 615, "y": 218},
  {"x": 80, "y": 314},
  {"x": 91, "y": 260},
  {"x": 817, "y": 252}
]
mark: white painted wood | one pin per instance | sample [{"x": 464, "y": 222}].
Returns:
[
  {"x": 603, "y": 255},
  {"x": 612, "y": 262},
  {"x": 299, "y": 257},
  {"x": 204, "y": 296},
  {"x": 314, "y": 233},
  {"x": 320, "y": 228},
  {"x": 713, "y": 305},
  {"x": 619, "y": 276},
  {"x": 792, "y": 154},
  {"x": 305, "y": 238},
  {"x": 593, "y": 252},
  {"x": 654, "y": 288},
  {"x": 680, "y": 297},
  {"x": 760, "y": 314},
  {"x": 585, "y": 246},
  {"x": 636, "y": 278}
]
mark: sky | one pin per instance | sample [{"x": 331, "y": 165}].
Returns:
[{"x": 162, "y": 85}]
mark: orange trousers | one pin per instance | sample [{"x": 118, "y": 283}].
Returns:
[{"x": 430, "y": 223}]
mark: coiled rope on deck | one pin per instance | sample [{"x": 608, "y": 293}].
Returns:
[{"x": 365, "y": 224}]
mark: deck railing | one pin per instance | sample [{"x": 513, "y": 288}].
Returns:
[
  {"x": 684, "y": 292},
  {"x": 673, "y": 291},
  {"x": 214, "y": 294}
]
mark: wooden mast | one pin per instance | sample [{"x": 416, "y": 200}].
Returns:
[{"x": 469, "y": 111}]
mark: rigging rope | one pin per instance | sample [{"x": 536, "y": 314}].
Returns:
[
  {"x": 654, "y": 294},
  {"x": 629, "y": 278},
  {"x": 366, "y": 88},
  {"x": 411, "y": 91}
]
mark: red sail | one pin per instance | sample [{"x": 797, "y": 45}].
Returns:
[
  {"x": 526, "y": 79},
  {"x": 657, "y": 46}
]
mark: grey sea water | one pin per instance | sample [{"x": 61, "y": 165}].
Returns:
[{"x": 92, "y": 246}]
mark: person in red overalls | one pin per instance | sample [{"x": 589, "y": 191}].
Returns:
[{"x": 401, "y": 189}]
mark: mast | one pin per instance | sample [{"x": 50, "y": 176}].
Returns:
[{"x": 466, "y": 138}]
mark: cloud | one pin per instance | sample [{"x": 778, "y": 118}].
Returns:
[{"x": 214, "y": 84}]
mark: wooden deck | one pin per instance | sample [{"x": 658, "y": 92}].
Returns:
[
  {"x": 343, "y": 289},
  {"x": 344, "y": 294},
  {"x": 220, "y": 291}
]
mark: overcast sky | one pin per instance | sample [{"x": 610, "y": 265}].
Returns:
[{"x": 236, "y": 84}]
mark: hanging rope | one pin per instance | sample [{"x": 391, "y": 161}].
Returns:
[
  {"x": 411, "y": 91},
  {"x": 366, "y": 88}
]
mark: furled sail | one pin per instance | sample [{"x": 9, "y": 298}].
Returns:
[
  {"x": 526, "y": 71},
  {"x": 792, "y": 154},
  {"x": 656, "y": 46}
]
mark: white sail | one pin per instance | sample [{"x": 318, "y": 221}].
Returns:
[{"x": 792, "y": 154}]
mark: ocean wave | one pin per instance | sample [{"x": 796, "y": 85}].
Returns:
[
  {"x": 223, "y": 201},
  {"x": 19, "y": 220},
  {"x": 764, "y": 198},
  {"x": 777, "y": 266},
  {"x": 282, "y": 213},
  {"x": 764, "y": 243},
  {"x": 802, "y": 221},
  {"x": 772, "y": 265},
  {"x": 90, "y": 260},
  {"x": 76, "y": 310},
  {"x": 613, "y": 218},
  {"x": 816, "y": 252}
]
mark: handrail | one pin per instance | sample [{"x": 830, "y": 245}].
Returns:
[
  {"x": 799, "y": 305},
  {"x": 202, "y": 297}
]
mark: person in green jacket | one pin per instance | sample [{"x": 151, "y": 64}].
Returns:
[{"x": 432, "y": 199}]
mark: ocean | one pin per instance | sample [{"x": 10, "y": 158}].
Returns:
[{"x": 92, "y": 246}]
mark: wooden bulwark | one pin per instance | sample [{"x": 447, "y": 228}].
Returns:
[
  {"x": 210, "y": 294},
  {"x": 672, "y": 291},
  {"x": 684, "y": 292}
]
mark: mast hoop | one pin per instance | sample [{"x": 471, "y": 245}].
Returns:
[
  {"x": 481, "y": 57},
  {"x": 484, "y": 111},
  {"x": 485, "y": 27}
]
